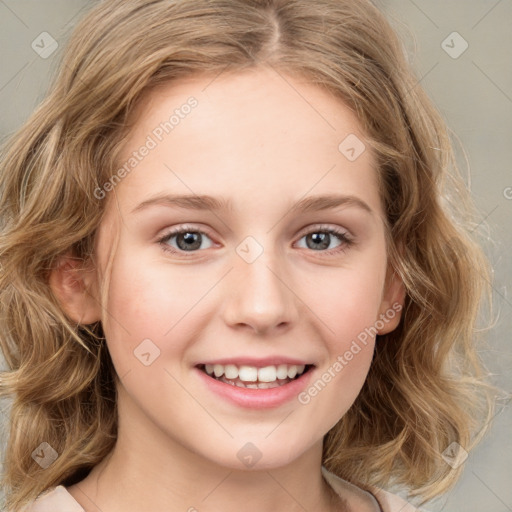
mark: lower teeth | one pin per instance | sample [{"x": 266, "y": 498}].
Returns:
[{"x": 253, "y": 385}]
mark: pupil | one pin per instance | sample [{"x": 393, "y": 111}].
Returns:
[
  {"x": 191, "y": 241},
  {"x": 321, "y": 239}
]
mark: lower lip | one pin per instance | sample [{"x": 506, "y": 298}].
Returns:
[{"x": 257, "y": 398}]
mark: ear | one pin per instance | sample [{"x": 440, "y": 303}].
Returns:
[
  {"x": 392, "y": 304},
  {"x": 75, "y": 286}
]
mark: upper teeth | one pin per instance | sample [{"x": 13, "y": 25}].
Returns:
[{"x": 253, "y": 374}]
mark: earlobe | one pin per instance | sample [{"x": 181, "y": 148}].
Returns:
[
  {"x": 392, "y": 304},
  {"x": 74, "y": 285}
]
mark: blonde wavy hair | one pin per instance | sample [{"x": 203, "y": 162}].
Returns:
[{"x": 426, "y": 386}]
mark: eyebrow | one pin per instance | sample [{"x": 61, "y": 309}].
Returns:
[{"x": 206, "y": 202}]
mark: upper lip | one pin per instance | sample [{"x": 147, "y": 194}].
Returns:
[{"x": 258, "y": 362}]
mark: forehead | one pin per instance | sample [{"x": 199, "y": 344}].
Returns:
[{"x": 260, "y": 134}]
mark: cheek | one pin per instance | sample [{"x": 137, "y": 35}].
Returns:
[
  {"x": 147, "y": 301},
  {"x": 348, "y": 306},
  {"x": 347, "y": 301}
]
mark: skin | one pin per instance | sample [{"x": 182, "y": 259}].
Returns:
[{"x": 264, "y": 141}]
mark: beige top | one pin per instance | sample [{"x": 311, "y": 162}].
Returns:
[{"x": 58, "y": 499}]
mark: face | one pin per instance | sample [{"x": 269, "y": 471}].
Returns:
[{"x": 278, "y": 275}]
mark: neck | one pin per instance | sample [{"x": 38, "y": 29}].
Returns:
[
  {"x": 148, "y": 470},
  {"x": 125, "y": 481}
]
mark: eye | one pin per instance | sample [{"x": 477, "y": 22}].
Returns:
[
  {"x": 322, "y": 239},
  {"x": 185, "y": 240},
  {"x": 188, "y": 240}
]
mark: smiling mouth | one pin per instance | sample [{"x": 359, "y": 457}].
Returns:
[{"x": 252, "y": 377}]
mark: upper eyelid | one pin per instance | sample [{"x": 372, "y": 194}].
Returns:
[
  {"x": 319, "y": 227},
  {"x": 183, "y": 229},
  {"x": 325, "y": 227}
]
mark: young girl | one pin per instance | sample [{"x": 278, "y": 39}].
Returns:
[{"x": 233, "y": 273}]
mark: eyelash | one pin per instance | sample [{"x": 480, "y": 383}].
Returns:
[{"x": 343, "y": 237}]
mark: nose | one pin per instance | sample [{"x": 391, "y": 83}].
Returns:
[{"x": 259, "y": 296}]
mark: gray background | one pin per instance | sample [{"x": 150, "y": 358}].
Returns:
[{"x": 474, "y": 94}]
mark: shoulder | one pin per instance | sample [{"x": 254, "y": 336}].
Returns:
[
  {"x": 56, "y": 499},
  {"x": 388, "y": 502},
  {"x": 391, "y": 502}
]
